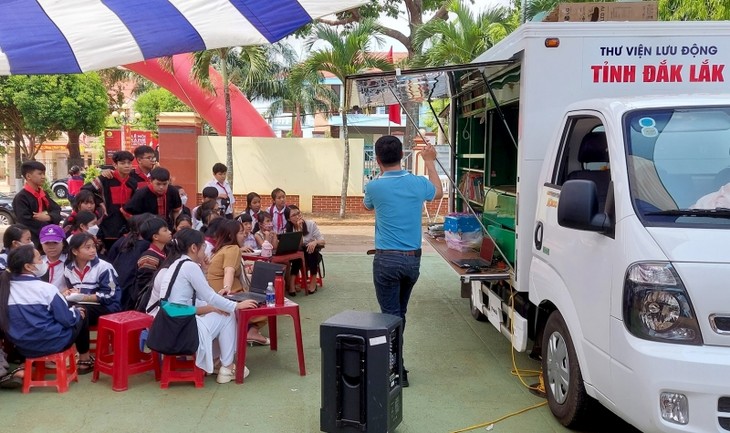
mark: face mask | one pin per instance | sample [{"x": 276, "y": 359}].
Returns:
[
  {"x": 93, "y": 230},
  {"x": 184, "y": 199},
  {"x": 40, "y": 269}
]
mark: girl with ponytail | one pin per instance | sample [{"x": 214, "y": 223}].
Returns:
[{"x": 215, "y": 314}]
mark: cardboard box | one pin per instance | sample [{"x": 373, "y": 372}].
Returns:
[
  {"x": 584, "y": 12},
  {"x": 461, "y": 223}
]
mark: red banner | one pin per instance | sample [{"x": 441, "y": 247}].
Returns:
[{"x": 132, "y": 138}]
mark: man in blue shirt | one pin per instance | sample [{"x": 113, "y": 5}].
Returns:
[{"x": 397, "y": 197}]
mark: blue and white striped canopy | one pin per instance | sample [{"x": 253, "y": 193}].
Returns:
[{"x": 72, "y": 36}]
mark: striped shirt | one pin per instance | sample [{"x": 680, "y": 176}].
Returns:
[
  {"x": 41, "y": 322},
  {"x": 97, "y": 278}
]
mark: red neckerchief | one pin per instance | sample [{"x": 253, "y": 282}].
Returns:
[
  {"x": 51, "y": 266},
  {"x": 123, "y": 183},
  {"x": 210, "y": 240},
  {"x": 280, "y": 223},
  {"x": 157, "y": 251},
  {"x": 39, "y": 195},
  {"x": 82, "y": 274},
  {"x": 161, "y": 201}
]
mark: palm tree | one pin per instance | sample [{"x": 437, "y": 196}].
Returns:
[
  {"x": 348, "y": 53},
  {"x": 463, "y": 39},
  {"x": 304, "y": 93},
  {"x": 247, "y": 65}
]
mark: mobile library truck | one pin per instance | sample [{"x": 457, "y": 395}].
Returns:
[{"x": 603, "y": 151}]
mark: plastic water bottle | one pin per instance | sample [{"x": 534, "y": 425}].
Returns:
[
  {"x": 270, "y": 296},
  {"x": 267, "y": 250}
]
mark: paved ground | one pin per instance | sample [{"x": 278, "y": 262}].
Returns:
[{"x": 460, "y": 370}]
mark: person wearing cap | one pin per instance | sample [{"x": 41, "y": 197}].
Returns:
[
  {"x": 53, "y": 243},
  {"x": 210, "y": 203}
]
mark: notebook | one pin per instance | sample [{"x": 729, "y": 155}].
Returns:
[
  {"x": 289, "y": 243},
  {"x": 263, "y": 274},
  {"x": 486, "y": 253}
]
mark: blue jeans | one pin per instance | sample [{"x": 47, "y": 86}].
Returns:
[{"x": 394, "y": 276}]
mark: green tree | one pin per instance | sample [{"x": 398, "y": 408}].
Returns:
[
  {"x": 248, "y": 64},
  {"x": 304, "y": 94},
  {"x": 347, "y": 53},
  {"x": 40, "y": 107},
  {"x": 152, "y": 102},
  {"x": 692, "y": 10},
  {"x": 464, "y": 38}
]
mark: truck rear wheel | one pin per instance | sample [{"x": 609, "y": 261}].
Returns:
[
  {"x": 566, "y": 393},
  {"x": 476, "y": 312}
]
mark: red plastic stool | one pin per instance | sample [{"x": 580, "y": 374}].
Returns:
[
  {"x": 65, "y": 371},
  {"x": 92, "y": 340},
  {"x": 180, "y": 368},
  {"x": 117, "y": 348}
]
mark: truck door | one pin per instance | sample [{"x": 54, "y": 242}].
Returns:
[{"x": 579, "y": 280}]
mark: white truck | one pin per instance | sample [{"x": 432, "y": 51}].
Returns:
[{"x": 604, "y": 155}]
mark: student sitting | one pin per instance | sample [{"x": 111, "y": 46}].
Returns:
[
  {"x": 215, "y": 314},
  {"x": 85, "y": 222},
  {"x": 54, "y": 245},
  {"x": 312, "y": 242},
  {"x": 249, "y": 240},
  {"x": 85, "y": 201},
  {"x": 34, "y": 315},
  {"x": 124, "y": 255},
  {"x": 253, "y": 207},
  {"x": 91, "y": 281},
  {"x": 183, "y": 222},
  {"x": 209, "y": 205},
  {"x": 158, "y": 198},
  {"x": 155, "y": 231},
  {"x": 15, "y": 235},
  {"x": 266, "y": 232},
  {"x": 279, "y": 211}
]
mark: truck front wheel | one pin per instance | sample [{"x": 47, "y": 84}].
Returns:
[{"x": 566, "y": 393}]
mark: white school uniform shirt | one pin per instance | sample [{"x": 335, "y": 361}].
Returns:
[
  {"x": 55, "y": 272},
  {"x": 279, "y": 222},
  {"x": 225, "y": 188}
]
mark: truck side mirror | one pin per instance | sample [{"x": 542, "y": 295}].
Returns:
[{"x": 578, "y": 207}]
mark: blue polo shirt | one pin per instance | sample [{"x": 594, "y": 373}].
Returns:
[{"x": 397, "y": 197}]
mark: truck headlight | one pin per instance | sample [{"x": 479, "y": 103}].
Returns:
[{"x": 657, "y": 306}]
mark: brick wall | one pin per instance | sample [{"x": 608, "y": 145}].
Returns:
[
  {"x": 328, "y": 204},
  {"x": 325, "y": 204}
]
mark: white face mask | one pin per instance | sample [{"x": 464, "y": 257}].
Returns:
[
  {"x": 40, "y": 269},
  {"x": 93, "y": 230},
  {"x": 184, "y": 199}
]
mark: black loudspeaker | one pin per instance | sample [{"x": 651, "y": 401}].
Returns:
[{"x": 361, "y": 372}]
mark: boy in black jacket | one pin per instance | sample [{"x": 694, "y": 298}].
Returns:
[
  {"x": 158, "y": 198},
  {"x": 113, "y": 193},
  {"x": 33, "y": 208}
]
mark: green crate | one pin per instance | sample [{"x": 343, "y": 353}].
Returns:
[
  {"x": 499, "y": 208},
  {"x": 505, "y": 240}
]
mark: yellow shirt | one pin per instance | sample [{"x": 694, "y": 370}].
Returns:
[{"x": 227, "y": 257}]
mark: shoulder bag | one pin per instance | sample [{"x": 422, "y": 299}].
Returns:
[{"x": 175, "y": 328}]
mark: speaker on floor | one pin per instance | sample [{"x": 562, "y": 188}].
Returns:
[{"x": 361, "y": 372}]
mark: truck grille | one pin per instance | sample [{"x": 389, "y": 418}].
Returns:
[{"x": 723, "y": 405}]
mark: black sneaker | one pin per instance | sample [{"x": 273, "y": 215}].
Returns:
[{"x": 404, "y": 379}]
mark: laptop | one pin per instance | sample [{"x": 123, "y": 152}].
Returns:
[
  {"x": 263, "y": 274},
  {"x": 289, "y": 243},
  {"x": 486, "y": 253}
]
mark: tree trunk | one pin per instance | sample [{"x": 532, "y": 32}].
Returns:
[
  {"x": 346, "y": 165},
  {"x": 74, "y": 152},
  {"x": 229, "y": 121}
]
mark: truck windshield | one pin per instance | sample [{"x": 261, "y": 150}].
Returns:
[{"x": 679, "y": 165}]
